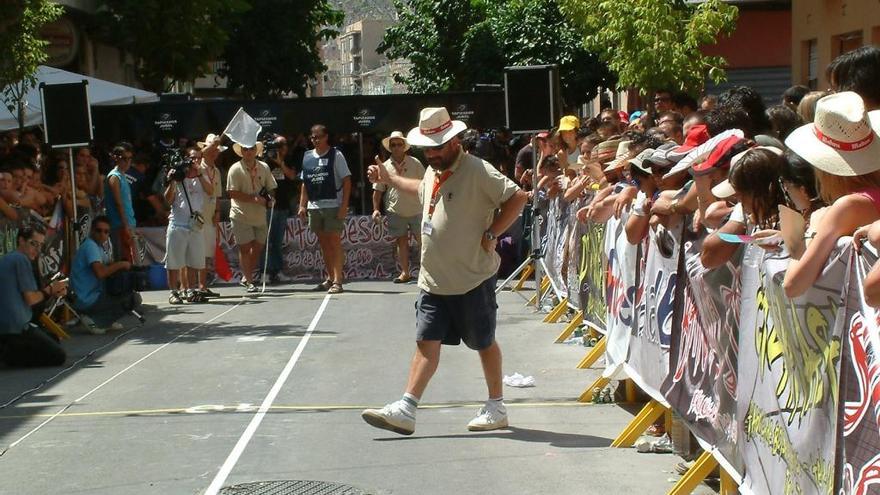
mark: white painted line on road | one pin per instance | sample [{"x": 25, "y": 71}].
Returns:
[
  {"x": 242, "y": 443},
  {"x": 105, "y": 382}
]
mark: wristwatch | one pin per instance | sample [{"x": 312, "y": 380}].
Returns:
[{"x": 489, "y": 235}]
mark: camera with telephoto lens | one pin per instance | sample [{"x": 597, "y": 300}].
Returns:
[{"x": 176, "y": 164}]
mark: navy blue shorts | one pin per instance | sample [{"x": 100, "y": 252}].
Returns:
[{"x": 468, "y": 317}]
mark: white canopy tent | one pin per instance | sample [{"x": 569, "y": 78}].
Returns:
[{"x": 100, "y": 93}]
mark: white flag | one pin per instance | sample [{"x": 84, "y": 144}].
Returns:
[{"x": 243, "y": 129}]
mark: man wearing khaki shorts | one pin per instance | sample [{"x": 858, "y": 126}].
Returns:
[
  {"x": 404, "y": 210},
  {"x": 211, "y": 149},
  {"x": 325, "y": 192},
  {"x": 245, "y": 182}
]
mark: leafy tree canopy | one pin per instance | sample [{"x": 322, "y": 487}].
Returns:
[
  {"x": 274, "y": 47},
  {"x": 655, "y": 44},
  {"x": 21, "y": 45},
  {"x": 455, "y": 44},
  {"x": 170, "y": 40}
]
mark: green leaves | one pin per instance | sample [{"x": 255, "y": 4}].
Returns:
[
  {"x": 21, "y": 45},
  {"x": 454, "y": 44},
  {"x": 273, "y": 48},
  {"x": 654, "y": 44}
]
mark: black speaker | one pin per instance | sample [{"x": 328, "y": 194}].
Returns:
[
  {"x": 531, "y": 97},
  {"x": 67, "y": 117}
]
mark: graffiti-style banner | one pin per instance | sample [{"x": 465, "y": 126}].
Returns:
[
  {"x": 789, "y": 364},
  {"x": 702, "y": 382},
  {"x": 651, "y": 337},
  {"x": 859, "y": 463},
  {"x": 620, "y": 295},
  {"x": 368, "y": 248}
]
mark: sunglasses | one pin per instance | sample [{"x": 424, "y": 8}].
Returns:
[
  {"x": 35, "y": 244},
  {"x": 102, "y": 231},
  {"x": 396, "y": 145}
]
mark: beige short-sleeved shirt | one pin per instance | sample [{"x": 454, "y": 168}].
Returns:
[
  {"x": 213, "y": 175},
  {"x": 404, "y": 205},
  {"x": 453, "y": 259},
  {"x": 239, "y": 179}
]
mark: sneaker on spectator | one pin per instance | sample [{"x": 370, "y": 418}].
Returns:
[
  {"x": 116, "y": 326},
  {"x": 91, "y": 326},
  {"x": 175, "y": 298},
  {"x": 251, "y": 288},
  {"x": 209, "y": 293},
  {"x": 392, "y": 417},
  {"x": 490, "y": 417}
]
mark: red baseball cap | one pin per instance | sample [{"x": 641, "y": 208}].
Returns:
[
  {"x": 721, "y": 155},
  {"x": 696, "y": 136}
]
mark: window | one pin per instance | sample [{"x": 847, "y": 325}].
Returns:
[
  {"x": 811, "y": 64},
  {"x": 844, "y": 43}
]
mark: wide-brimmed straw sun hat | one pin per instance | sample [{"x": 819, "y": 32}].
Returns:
[
  {"x": 435, "y": 128},
  {"x": 259, "y": 145},
  {"x": 842, "y": 139},
  {"x": 620, "y": 155},
  {"x": 211, "y": 140},
  {"x": 386, "y": 143}
]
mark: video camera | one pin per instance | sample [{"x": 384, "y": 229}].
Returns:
[
  {"x": 176, "y": 164},
  {"x": 271, "y": 145}
]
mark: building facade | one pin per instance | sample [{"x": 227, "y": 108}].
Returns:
[
  {"x": 355, "y": 67},
  {"x": 824, "y": 29}
]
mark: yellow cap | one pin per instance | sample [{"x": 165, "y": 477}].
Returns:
[{"x": 569, "y": 123}]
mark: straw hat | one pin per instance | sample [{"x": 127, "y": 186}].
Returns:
[
  {"x": 842, "y": 140},
  {"x": 725, "y": 189},
  {"x": 211, "y": 140},
  {"x": 435, "y": 128},
  {"x": 259, "y": 145},
  {"x": 386, "y": 143},
  {"x": 621, "y": 152}
]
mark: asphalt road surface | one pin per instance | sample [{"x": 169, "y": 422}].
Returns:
[{"x": 240, "y": 390}]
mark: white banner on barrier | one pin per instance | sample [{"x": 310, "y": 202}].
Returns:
[{"x": 620, "y": 289}]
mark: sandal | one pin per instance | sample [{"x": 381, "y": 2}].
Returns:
[
  {"x": 325, "y": 285},
  {"x": 402, "y": 280},
  {"x": 335, "y": 289}
]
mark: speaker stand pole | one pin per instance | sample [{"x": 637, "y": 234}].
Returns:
[{"x": 75, "y": 221}]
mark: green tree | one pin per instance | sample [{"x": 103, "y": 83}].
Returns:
[
  {"x": 454, "y": 44},
  {"x": 536, "y": 32},
  {"x": 433, "y": 35},
  {"x": 22, "y": 48},
  {"x": 170, "y": 40},
  {"x": 655, "y": 44},
  {"x": 274, "y": 48}
]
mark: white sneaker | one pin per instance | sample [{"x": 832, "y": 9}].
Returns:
[
  {"x": 490, "y": 417},
  {"x": 116, "y": 326},
  {"x": 91, "y": 326},
  {"x": 392, "y": 417}
]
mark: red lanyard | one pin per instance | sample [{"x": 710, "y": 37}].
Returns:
[{"x": 438, "y": 182}]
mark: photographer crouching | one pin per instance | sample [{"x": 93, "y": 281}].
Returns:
[
  {"x": 104, "y": 290},
  {"x": 23, "y": 343},
  {"x": 186, "y": 189}
]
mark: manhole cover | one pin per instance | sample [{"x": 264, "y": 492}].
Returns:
[{"x": 291, "y": 487}]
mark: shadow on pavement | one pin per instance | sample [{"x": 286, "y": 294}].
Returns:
[{"x": 561, "y": 440}]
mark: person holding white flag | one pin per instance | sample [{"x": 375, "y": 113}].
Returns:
[{"x": 251, "y": 188}]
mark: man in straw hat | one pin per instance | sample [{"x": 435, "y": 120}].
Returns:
[
  {"x": 460, "y": 194},
  {"x": 211, "y": 149},
  {"x": 404, "y": 210},
  {"x": 250, "y": 185},
  {"x": 324, "y": 197}
]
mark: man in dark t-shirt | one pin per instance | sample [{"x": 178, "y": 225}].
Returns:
[{"x": 286, "y": 177}]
